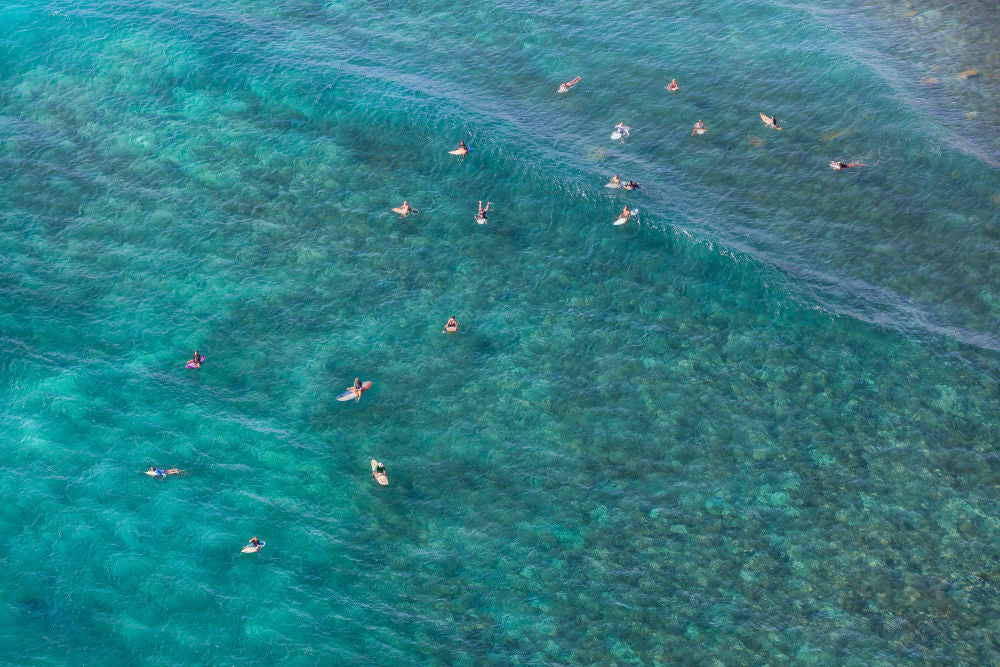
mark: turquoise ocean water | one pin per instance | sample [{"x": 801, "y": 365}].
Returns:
[{"x": 759, "y": 424}]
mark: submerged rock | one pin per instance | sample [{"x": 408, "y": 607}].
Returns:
[
  {"x": 930, "y": 81},
  {"x": 969, "y": 74}
]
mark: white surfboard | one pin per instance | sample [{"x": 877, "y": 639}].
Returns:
[
  {"x": 622, "y": 221},
  {"x": 613, "y": 185},
  {"x": 616, "y": 135},
  {"x": 251, "y": 549}
]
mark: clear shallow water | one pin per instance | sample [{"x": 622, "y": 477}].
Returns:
[{"x": 759, "y": 424}]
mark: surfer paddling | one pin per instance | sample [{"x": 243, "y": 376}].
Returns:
[
  {"x": 564, "y": 87},
  {"x": 405, "y": 209},
  {"x": 630, "y": 185},
  {"x": 462, "y": 149},
  {"x": 378, "y": 473},
  {"x": 699, "y": 128},
  {"x": 673, "y": 87},
  {"x": 160, "y": 472},
  {"x": 846, "y": 165},
  {"x": 481, "y": 216},
  {"x": 451, "y": 326},
  {"x": 624, "y": 216},
  {"x": 770, "y": 121}
]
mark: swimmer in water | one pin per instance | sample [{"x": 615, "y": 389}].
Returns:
[
  {"x": 564, "y": 87},
  {"x": 451, "y": 326},
  {"x": 699, "y": 128},
  {"x": 481, "y": 216},
  {"x": 615, "y": 181},
  {"x": 405, "y": 209},
  {"x": 673, "y": 87},
  {"x": 630, "y": 185},
  {"x": 846, "y": 165}
]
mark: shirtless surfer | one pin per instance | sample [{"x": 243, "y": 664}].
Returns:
[
  {"x": 699, "y": 128},
  {"x": 846, "y": 165},
  {"x": 451, "y": 326},
  {"x": 462, "y": 149},
  {"x": 673, "y": 87},
  {"x": 405, "y": 209},
  {"x": 564, "y": 87}
]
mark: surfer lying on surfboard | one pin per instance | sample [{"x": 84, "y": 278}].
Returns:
[
  {"x": 770, "y": 121},
  {"x": 630, "y": 185},
  {"x": 405, "y": 209},
  {"x": 378, "y": 473},
  {"x": 564, "y": 87},
  {"x": 624, "y": 216},
  {"x": 461, "y": 150},
  {"x": 481, "y": 216},
  {"x": 699, "y": 128},
  {"x": 846, "y": 165},
  {"x": 451, "y": 326},
  {"x": 160, "y": 472}
]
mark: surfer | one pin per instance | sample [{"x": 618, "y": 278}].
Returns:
[
  {"x": 254, "y": 542},
  {"x": 379, "y": 469},
  {"x": 846, "y": 165},
  {"x": 405, "y": 209},
  {"x": 622, "y": 130},
  {"x": 673, "y": 87},
  {"x": 564, "y": 87},
  {"x": 615, "y": 182},
  {"x": 461, "y": 150},
  {"x": 630, "y": 185},
  {"x": 770, "y": 122},
  {"x": 357, "y": 389},
  {"x": 481, "y": 216},
  {"x": 699, "y": 128},
  {"x": 195, "y": 360},
  {"x": 624, "y": 216},
  {"x": 451, "y": 326},
  {"x": 159, "y": 472}
]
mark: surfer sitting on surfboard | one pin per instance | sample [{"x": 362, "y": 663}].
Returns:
[
  {"x": 673, "y": 87},
  {"x": 405, "y": 209},
  {"x": 481, "y": 216},
  {"x": 699, "y": 128},
  {"x": 195, "y": 360},
  {"x": 379, "y": 469},
  {"x": 357, "y": 388},
  {"x": 623, "y": 130},
  {"x": 564, "y": 87},
  {"x": 846, "y": 165},
  {"x": 451, "y": 326},
  {"x": 615, "y": 182}
]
